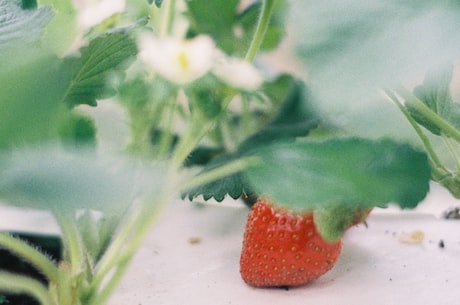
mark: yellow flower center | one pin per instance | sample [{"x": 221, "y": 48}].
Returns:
[{"x": 183, "y": 60}]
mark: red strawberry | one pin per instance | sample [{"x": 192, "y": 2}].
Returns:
[{"x": 281, "y": 248}]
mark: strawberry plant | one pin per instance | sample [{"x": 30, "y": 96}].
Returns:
[{"x": 111, "y": 109}]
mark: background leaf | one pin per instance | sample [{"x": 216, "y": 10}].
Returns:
[
  {"x": 351, "y": 48},
  {"x": 354, "y": 173},
  {"x": 295, "y": 117},
  {"x": 233, "y": 29},
  {"x": 158, "y": 3},
  {"x": 88, "y": 73}
]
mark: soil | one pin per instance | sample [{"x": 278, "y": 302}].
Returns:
[{"x": 453, "y": 213}]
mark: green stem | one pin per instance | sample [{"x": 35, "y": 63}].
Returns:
[
  {"x": 452, "y": 151},
  {"x": 430, "y": 115},
  {"x": 217, "y": 173},
  {"x": 166, "y": 137},
  {"x": 72, "y": 242},
  {"x": 261, "y": 29},
  {"x": 426, "y": 142},
  {"x": 167, "y": 17},
  {"x": 199, "y": 128},
  {"x": 30, "y": 254},
  {"x": 118, "y": 257},
  {"x": 102, "y": 296},
  {"x": 190, "y": 140},
  {"x": 227, "y": 137},
  {"x": 18, "y": 284},
  {"x": 109, "y": 259},
  {"x": 246, "y": 118}
]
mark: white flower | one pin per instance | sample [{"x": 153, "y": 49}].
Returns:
[
  {"x": 93, "y": 12},
  {"x": 238, "y": 73},
  {"x": 179, "y": 61}
]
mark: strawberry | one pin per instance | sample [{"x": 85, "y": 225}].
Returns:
[{"x": 282, "y": 249}]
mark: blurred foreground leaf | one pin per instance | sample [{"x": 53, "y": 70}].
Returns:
[
  {"x": 21, "y": 28},
  {"x": 29, "y": 98},
  {"x": 352, "y": 48},
  {"x": 57, "y": 180}
]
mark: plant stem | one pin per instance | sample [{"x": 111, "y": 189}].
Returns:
[
  {"x": 102, "y": 296},
  {"x": 30, "y": 254},
  {"x": 217, "y": 173},
  {"x": 199, "y": 128},
  {"x": 430, "y": 115},
  {"x": 167, "y": 17},
  {"x": 108, "y": 260},
  {"x": 166, "y": 136},
  {"x": 246, "y": 117},
  {"x": 120, "y": 254},
  {"x": 439, "y": 172},
  {"x": 261, "y": 29},
  {"x": 72, "y": 241},
  {"x": 426, "y": 142},
  {"x": 452, "y": 151},
  {"x": 18, "y": 284}
]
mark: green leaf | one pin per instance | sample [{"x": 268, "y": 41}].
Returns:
[
  {"x": 435, "y": 93},
  {"x": 233, "y": 30},
  {"x": 208, "y": 101},
  {"x": 276, "y": 89},
  {"x": 58, "y": 180},
  {"x": 89, "y": 72},
  {"x": 354, "y": 47},
  {"x": 352, "y": 172},
  {"x": 20, "y": 29},
  {"x": 234, "y": 185},
  {"x": 202, "y": 155},
  {"x": 294, "y": 118},
  {"x": 77, "y": 129}
]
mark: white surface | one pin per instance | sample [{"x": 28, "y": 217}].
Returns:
[{"x": 375, "y": 266}]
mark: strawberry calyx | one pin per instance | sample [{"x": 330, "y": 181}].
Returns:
[{"x": 332, "y": 222}]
